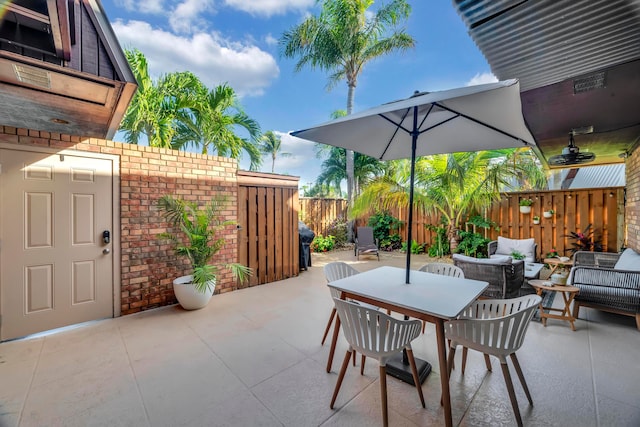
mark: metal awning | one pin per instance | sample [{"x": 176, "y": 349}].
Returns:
[{"x": 578, "y": 63}]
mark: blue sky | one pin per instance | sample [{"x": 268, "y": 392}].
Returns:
[{"x": 235, "y": 41}]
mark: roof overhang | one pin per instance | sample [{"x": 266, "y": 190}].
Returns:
[
  {"x": 44, "y": 87},
  {"x": 578, "y": 62}
]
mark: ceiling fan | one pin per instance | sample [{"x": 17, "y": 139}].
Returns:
[{"x": 571, "y": 155}]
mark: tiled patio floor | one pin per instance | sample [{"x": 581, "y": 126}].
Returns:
[{"x": 253, "y": 358}]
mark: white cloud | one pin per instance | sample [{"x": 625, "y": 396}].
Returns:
[
  {"x": 269, "y": 7},
  {"x": 186, "y": 15},
  {"x": 208, "y": 55},
  {"x": 270, "y": 40},
  {"x": 480, "y": 79},
  {"x": 143, "y": 6}
]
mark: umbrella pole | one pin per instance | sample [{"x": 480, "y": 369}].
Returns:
[
  {"x": 414, "y": 142},
  {"x": 398, "y": 365}
]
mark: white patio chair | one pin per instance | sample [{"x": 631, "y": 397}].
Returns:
[
  {"x": 375, "y": 334},
  {"x": 496, "y": 328},
  {"x": 332, "y": 272},
  {"x": 443, "y": 269}
]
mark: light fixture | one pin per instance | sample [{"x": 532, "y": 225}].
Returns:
[
  {"x": 611, "y": 194},
  {"x": 571, "y": 154}
]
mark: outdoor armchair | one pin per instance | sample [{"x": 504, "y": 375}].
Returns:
[
  {"x": 378, "y": 335},
  {"x": 608, "y": 282},
  {"x": 442, "y": 268},
  {"x": 332, "y": 272},
  {"x": 505, "y": 275},
  {"x": 496, "y": 328},
  {"x": 506, "y": 247},
  {"x": 365, "y": 243}
]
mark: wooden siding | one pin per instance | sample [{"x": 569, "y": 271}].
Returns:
[
  {"x": 268, "y": 219},
  {"x": 574, "y": 211}
]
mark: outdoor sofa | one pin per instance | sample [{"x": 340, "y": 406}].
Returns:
[
  {"x": 504, "y": 274},
  {"x": 608, "y": 282}
]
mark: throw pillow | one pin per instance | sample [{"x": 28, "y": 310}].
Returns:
[
  {"x": 507, "y": 246},
  {"x": 629, "y": 260}
]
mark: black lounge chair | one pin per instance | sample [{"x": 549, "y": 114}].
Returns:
[{"x": 365, "y": 243}]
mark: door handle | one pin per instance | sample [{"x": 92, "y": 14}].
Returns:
[{"x": 106, "y": 251}]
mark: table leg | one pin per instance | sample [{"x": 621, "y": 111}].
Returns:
[
  {"x": 568, "y": 298},
  {"x": 541, "y": 308},
  {"x": 444, "y": 373},
  {"x": 334, "y": 341}
]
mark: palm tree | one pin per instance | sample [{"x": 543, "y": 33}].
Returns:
[
  {"x": 342, "y": 39},
  {"x": 178, "y": 110},
  {"x": 272, "y": 144},
  {"x": 212, "y": 123},
  {"x": 333, "y": 169},
  {"x": 453, "y": 185},
  {"x": 150, "y": 112}
]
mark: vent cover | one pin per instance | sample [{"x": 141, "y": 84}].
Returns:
[
  {"x": 32, "y": 76},
  {"x": 586, "y": 84}
]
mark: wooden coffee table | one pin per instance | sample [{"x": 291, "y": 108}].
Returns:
[{"x": 568, "y": 294}]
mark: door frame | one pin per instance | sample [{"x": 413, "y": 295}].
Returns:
[{"x": 115, "y": 214}]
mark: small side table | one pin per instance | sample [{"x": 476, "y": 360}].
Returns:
[
  {"x": 554, "y": 262},
  {"x": 568, "y": 294}
]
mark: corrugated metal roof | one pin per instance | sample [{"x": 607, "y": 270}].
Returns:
[
  {"x": 542, "y": 42},
  {"x": 589, "y": 177}
]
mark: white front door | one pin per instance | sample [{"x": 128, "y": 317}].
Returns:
[{"x": 55, "y": 267}]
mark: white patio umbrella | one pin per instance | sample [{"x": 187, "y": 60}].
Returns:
[{"x": 473, "y": 118}]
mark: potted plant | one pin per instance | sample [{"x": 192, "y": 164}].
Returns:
[
  {"x": 549, "y": 213},
  {"x": 195, "y": 237},
  {"x": 525, "y": 205},
  {"x": 536, "y": 219},
  {"x": 560, "y": 275}
]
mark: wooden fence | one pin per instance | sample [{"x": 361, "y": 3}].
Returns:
[
  {"x": 268, "y": 220},
  {"x": 603, "y": 208}
]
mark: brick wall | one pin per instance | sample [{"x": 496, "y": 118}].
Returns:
[
  {"x": 632, "y": 209},
  {"x": 147, "y": 267}
]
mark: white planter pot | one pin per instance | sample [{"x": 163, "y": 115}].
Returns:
[
  {"x": 536, "y": 221},
  {"x": 559, "y": 278},
  {"x": 547, "y": 214},
  {"x": 525, "y": 209},
  {"x": 187, "y": 295}
]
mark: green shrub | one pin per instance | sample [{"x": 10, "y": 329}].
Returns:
[
  {"x": 383, "y": 225},
  {"x": 416, "y": 248},
  {"x": 391, "y": 243},
  {"x": 338, "y": 229},
  {"x": 322, "y": 244},
  {"x": 473, "y": 244},
  {"x": 440, "y": 246}
]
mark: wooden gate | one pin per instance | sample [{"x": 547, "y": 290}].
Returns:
[{"x": 268, "y": 219}]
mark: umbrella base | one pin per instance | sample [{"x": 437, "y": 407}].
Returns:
[{"x": 397, "y": 369}]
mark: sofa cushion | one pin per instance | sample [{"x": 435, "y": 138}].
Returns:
[
  {"x": 526, "y": 247},
  {"x": 629, "y": 260},
  {"x": 494, "y": 260}
]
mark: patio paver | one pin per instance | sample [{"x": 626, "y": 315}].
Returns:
[{"x": 253, "y": 357}]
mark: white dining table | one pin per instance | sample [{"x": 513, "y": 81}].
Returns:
[{"x": 430, "y": 297}]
